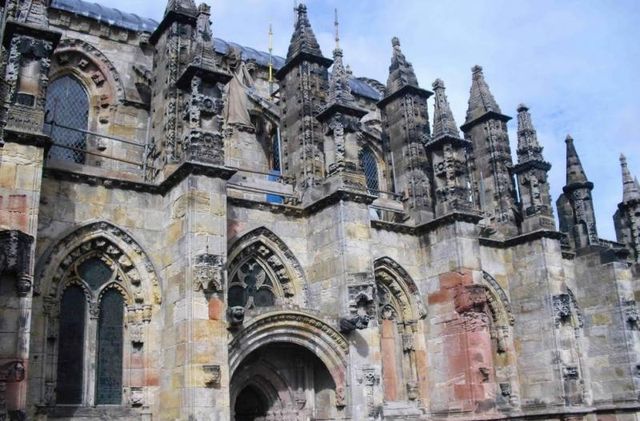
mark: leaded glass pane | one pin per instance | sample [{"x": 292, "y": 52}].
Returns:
[
  {"x": 110, "y": 343},
  {"x": 71, "y": 346},
  {"x": 94, "y": 272},
  {"x": 68, "y": 105},
  {"x": 370, "y": 167}
]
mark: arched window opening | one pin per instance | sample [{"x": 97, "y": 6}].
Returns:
[
  {"x": 251, "y": 287},
  {"x": 109, "y": 352},
  {"x": 370, "y": 166},
  {"x": 71, "y": 346},
  {"x": 94, "y": 272},
  {"x": 68, "y": 105},
  {"x": 275, "y": 167}
]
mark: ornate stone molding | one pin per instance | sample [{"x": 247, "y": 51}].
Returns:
[
  {"x": 395, "y": 279},
  {"x": 299, "y": 328},
  {"x": 110, "y": 243},
  {"x": 15, "y": 258},
  {"x": 267, "y": 247}
]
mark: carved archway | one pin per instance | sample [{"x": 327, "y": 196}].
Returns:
[
  {"x": 295, "y": 327},
  {"x": 265, "y": 247},
  {"x": 89, "y": 64},
  {"x": 123, "y": 268},
  {"x": 400, "y": 309}
]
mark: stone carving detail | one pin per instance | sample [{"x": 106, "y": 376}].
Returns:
[
  {"x": 15, "y": 258},
  {"x": 394, "y": 281},
  {"x": 370, "y": 378},
  {"x": 236, "y": 316},
  {"x": 413, "y": 393},
  {"x": 264, "y": 245},
  {"x": 12, "y": 372},
  {"x": 109, "y": 241},
  {"x": 136, "y": 397},
  {"x": 212, "y": 375},
  {"x": 208, "y": 273},
  {"x": 570, "y": 373},
  {"x": 137, "y": 318},
  {"x": 631, "y": 314},
  {"x": 361, "y": 307},
  {"x": 561, "y": 308}
]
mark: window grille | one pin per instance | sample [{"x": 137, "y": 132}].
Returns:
[
  {"x": 110, "y": 343},
  {"x": 71, "y": 346},
  {"x": 68, "y": 105},
  {"x": 370, "y": 167}
]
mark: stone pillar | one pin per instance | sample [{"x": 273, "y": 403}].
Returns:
[{"x": 29, "y": 44}]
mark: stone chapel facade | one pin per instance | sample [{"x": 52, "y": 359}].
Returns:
[{"x": 195, "y": 230}]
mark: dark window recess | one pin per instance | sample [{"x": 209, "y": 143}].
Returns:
[
  {"x": 110, "y": 344},
  {"x": 94, "y": 272},
  {"x": 68, "y": 104},
  {"x": 251, "y": 287},
  {"x": 370, "y": 167},
  {"x": 70, "y": 347},
  {"x": 25, "y": 99}
]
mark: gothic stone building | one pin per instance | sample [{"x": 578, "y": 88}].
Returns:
[{"x": 195, "y": 230}]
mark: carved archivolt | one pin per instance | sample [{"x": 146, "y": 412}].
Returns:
[
  {"x": 273, "y": 254},
  {"x": 299, "y": 328},
  {"x": 99, "y": 75},
  {"x": 131, "y": 267},
  {"x": 498, "y": 302},
  {"x": 399, "y": 297}
]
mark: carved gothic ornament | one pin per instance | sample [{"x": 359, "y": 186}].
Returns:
[
  {"x": 299, "y": 328},
  {"x": 133, "y": 271},
  {"x": 361, "y": 305},
  {"x": 208, "y": 273},
  {"x": 271, "y": 253},
  {"x": 566, "y": 310},
  {"x": 88, "y": 63},
  {"x": 398, "y": 295},
  {"x": 15, "y": 258}
]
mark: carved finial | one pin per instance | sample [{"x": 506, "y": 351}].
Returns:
[
  {"x": 629, "y": 185},
  {"x": 528, "y": 147},
  {"x": 443, "y": 122},
  {"x": 575, "y": 172},
  {"x": 303, "y": 39},
  {"x": 401, "y": 72},
  {"x": 481, "y": 99}
]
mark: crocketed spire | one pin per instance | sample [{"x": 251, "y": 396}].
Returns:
[
  {"x": 528, "y": 147},
  {"x": 630, "y": 190},
  {"x": 575, "y": 172},
  {"x": 481, "y": 101},
  {"x": 340, "y": 91},
  {"x": 401, "y": 71},
  {"x": 443, "y": 122},
  {"x": 303, "y": 39},
  {"x": 181, "y": 6}
]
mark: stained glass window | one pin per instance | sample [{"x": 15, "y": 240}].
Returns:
[
  {"x": 68, "y": 104},
  {"x": 110, "y": 342},
  {"x": 94, "y": 272},
  {"x": 70, "y": 346},
  {"x": 370, "y": 167},
  {"x": 251, "y": 287}
]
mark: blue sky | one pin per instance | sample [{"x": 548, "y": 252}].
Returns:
[{"x": 575, "y": 63}]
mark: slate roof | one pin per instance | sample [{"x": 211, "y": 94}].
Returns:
[{"x": 133, "y": 22}]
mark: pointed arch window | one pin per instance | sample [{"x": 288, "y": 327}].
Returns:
[
  {"x": 68, "y": 105},
  {"x": 91, "y": 312},
  {"x": 251, "y": 287},
  {"x": 369, "y": 164}
]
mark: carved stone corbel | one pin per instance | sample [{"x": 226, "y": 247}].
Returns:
[
  {"x": 208, "y": 273},
  {"x": 15, "y": 258}
]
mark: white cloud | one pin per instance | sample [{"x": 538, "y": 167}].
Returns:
[{"x": 573, "y": 62}]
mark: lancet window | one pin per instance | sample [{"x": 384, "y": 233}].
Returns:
[{"x": 68, "y": 105}]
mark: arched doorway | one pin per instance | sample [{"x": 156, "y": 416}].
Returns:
[{"x": 282, "y": 381}]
